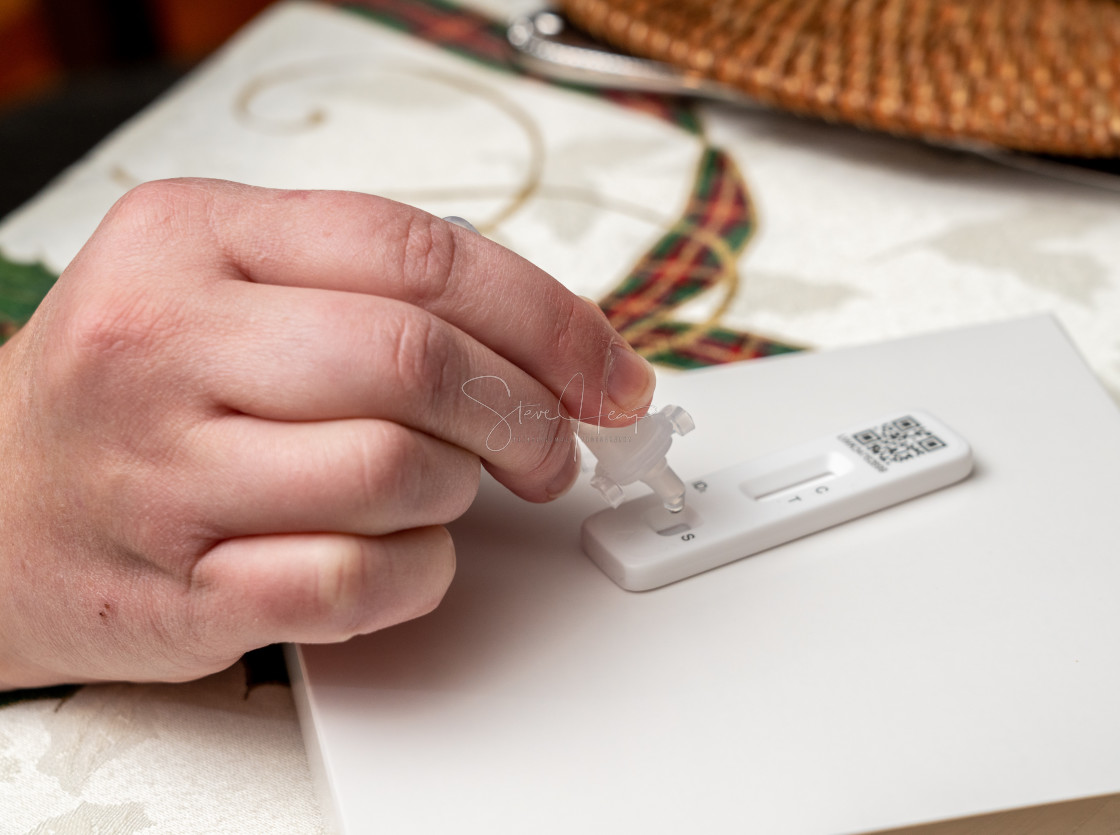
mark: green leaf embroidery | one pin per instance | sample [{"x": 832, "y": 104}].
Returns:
[{"x": 22, "y": 287}]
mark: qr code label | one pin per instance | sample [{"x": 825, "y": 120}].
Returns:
[{"x": 898, "y": 440}]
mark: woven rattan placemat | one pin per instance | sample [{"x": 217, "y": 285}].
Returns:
[{"x": 1033, "y": 75}]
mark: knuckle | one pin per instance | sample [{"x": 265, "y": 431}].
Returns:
[
  {"x": 157, "y": 222},
  {"x": 105, "y": 353},
  {"x": 369, "y": 590},
  {"x": 427, "y": 258},
  {"x": 424, "y": 350},
  {"x": 154, "y": 197},
  {"x": 122, "y": 324},
  {"x": 114, "y": 348},
  {"x": 155, "y": 205},
  {"x": 342, "y": 584},
  {"x": 566, "y": 334},
  {"x": 388, "y": 456},
  {"x": 111, "y": 303},
  {"x": 399, "y": 470}
]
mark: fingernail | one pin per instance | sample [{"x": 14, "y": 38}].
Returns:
[
  {"x": 463, "y": 222},
  {"x": 567, "y": 476},
  {"x": 630, "y": 378}
]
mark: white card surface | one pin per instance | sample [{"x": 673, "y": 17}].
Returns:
[{"x": 946, "y": 657}]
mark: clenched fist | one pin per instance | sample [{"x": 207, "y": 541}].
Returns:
[{"x": 240, "y": 418}]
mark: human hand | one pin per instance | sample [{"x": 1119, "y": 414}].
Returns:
[{"x": 240, "y": 418}]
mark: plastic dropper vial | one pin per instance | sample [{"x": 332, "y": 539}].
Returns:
[{"x": 637, "y": 453}]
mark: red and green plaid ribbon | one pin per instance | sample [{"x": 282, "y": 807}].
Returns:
[{"x": 697, "y": 255}]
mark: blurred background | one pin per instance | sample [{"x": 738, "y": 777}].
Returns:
[{"x": 72, "y": 70}]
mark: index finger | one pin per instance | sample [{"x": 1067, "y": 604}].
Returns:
[{"x": 365, "y": 244}]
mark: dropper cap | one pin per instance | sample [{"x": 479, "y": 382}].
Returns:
[{"x": 637, "y": 453}]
